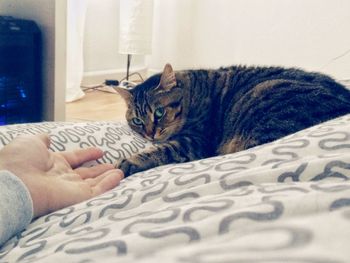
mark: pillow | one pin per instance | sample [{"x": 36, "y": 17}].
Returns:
[{"x": 116, "y": 139}]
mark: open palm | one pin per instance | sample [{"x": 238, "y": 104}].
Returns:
[{"x": 57, "y": 179}]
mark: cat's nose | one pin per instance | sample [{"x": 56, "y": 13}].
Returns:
[{"x": 149, "y": 133}]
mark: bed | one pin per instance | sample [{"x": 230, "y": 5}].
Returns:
[{"x": 286, "y": 201}]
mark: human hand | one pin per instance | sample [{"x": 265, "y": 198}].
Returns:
[{"x": 55, "y": 179}]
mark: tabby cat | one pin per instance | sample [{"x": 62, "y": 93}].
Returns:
[{"x": 194, "y": 114}]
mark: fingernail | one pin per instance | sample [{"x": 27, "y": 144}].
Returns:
[{"x": 121, "y": 173}]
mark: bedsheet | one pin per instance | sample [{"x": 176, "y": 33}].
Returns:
[{"x": 286, "y": 201}]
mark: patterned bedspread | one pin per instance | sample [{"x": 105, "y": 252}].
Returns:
[{"x": 286, "y": 201}]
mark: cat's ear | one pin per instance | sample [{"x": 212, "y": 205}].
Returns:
[
  {"x": 125, "y": 93},
  {"x": 168, "y": 79}
]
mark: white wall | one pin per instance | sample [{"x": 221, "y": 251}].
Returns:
[
  {"x": 313, "y": 34},
  {"x": 101, "y": 40},
  {"x": 47, "y": 14}
]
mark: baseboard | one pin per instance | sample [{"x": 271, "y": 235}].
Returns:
[{"x": 98, "y": 77}]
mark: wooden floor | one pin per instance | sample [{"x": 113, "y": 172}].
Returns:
[{"x": 96, "y": 106}]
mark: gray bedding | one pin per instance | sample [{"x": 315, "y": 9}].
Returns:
[{"x": 286, "y": 201}]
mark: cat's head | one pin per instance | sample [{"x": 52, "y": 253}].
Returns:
[{"x": 155, "y": 107}]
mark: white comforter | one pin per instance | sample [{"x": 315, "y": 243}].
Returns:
[{"x": 287, "y": 201}]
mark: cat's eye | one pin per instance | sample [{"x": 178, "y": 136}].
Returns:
[
  {"x": 159, "y": 113},
  {"x": 137, "y": 121}
]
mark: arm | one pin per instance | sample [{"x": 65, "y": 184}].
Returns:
[
  {"x": 16, "y": 207},
  {"x": 40, "y": 181}
]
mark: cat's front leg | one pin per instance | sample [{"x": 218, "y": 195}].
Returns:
[
  {"x": 148, "y": 159},
  {"x": 166, "y": 153},
  {"x": 134, "y": 164}
]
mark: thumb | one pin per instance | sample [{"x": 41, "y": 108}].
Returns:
[{"x": 45, "y": 138}]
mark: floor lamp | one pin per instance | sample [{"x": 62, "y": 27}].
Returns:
[{"x": 135, "y": 35}]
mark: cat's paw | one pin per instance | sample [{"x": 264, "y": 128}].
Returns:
[{"x": 130, "y": 166}]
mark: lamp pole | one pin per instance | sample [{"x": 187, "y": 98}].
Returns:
[{"x": 128, "y": 67}]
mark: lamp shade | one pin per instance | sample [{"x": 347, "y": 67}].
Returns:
[{"x": 135, "y": 35}]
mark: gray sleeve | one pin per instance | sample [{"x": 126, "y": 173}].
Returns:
[{"x": 16, "y": 206}]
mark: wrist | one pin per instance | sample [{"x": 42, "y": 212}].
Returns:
[
  {"x": 17, "y": 210},
  {"x": 37, "y": 187}
]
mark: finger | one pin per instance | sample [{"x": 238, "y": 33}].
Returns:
[
  {"x": 78, "y": 157},
  {"x": 91, "y": 172},
  {"x": 109, "y": 180},
  {"x": 96, "y": 180}
]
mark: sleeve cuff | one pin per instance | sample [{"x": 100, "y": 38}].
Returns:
[{"x": 16, "y": 206}]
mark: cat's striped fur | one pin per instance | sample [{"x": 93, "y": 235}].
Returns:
[{"x": 194, "y": 114}]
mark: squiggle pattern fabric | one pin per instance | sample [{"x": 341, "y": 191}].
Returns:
[
  {"x": 116, "y": 139},
  {"x": 286, "y": 201}
]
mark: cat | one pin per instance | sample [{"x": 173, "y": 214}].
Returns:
[{"x": 194, "y": 114}]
